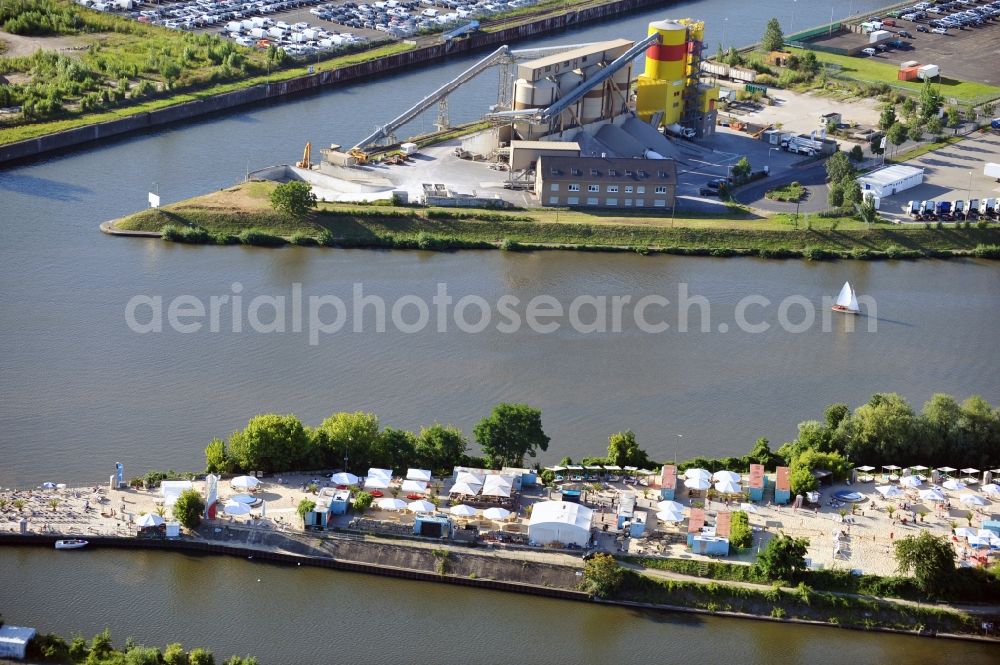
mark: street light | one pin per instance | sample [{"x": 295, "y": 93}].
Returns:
[
  {"x": 791, "y": 26},
  {"x": 679, "y": 437},
  {"x": 725, "y": 22}
]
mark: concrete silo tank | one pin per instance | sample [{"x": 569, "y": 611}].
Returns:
[
  {"x": 593, "y": 105},
  {"x": 533, "y": 95}
]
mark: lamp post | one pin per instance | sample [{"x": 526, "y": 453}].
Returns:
[
  {"x": 725, "y": 22},
  {"x": 791, "y": 26},
  {"x": 679, "y": 437}
]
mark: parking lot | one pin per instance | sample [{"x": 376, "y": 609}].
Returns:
[{"x": 952, "y": 173}]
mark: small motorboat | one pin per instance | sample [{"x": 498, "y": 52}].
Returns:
[
  {"x": 847, "y": 301},
  {"x": 71, "y": 544}
]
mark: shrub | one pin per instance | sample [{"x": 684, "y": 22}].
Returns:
[
  {"x": 509, "y": 245},
  {"x": 740, "y": 535},
  {"x": 303, "y": 239},
  {"x": 818, "y": 254},
  {"x": 987, "y": 251},
  {"x": 261, "y": 238},
  {"x": 192, "y": 235}
]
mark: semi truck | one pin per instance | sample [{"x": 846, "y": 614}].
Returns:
[{"x": 802, "y": 145}]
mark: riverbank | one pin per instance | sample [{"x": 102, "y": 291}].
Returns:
[
  {"x": 243, "y": 214},
  {"x": 18, "y": 143}
]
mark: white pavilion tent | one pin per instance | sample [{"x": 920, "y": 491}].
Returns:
[{"x": 560, "y": 521}]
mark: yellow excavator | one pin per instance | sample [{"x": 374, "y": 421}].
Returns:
[
  {"x": 359, "y": 155},
  {"x": 306, "y": 155}
]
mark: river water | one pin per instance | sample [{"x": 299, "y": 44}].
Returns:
[{"x": 79, "y": 390}]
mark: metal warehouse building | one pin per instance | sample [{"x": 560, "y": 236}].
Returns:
[{"x": 891, "y": 180}]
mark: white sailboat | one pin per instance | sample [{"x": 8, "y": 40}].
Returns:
[{"x": 847, "y": 301}]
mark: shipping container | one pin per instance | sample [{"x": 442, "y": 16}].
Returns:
[{"x": 928, "y": 72}]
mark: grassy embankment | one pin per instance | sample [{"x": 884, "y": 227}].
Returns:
[
  {"x": 801, "y": 603},
  {"x": 225, "y": 215},
  {"x": 873, "y": 71}
]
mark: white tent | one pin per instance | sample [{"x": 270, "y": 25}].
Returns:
[
  {"x": 417, "y": 486},
  {"x": 376, "y": 482},
  {"x": 462, "y": 510},
  {"x": 383, "y": 473},
  {"x": 971, "y": 499},
  {"x": 244, "y": 482},
  {"x": 560, "y": 521},
  {"x": 170, "y": 490},
  {"x": 889, "y": 491},
  {"x": 149, "y": 520},
  {"x": 670, "y": 506},
  {"x": 697, "y": 473},
  {"x": 418, "y": 474},
  {"x": 344, "y": 478},
  {"x": 953, "y": 485},
  {"x": 496, "y": 513},
  {"x": 388, "y": 503},
  {"x": 421, "y": 507},
  {"x": 469, "y": 478},
  {"x": 465, "y": 488},
  {"x": 727, "y": 487},
  {"x": 910, "y": 481},
  {"x": 720, "y": 476},
  {"x": 697, "y": 483},
  {"x": 669, "y": 516},
  {"x": 931, "y": 495},
  {"x": 497, "y": 486}
]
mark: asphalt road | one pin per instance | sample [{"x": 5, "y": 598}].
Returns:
[{"x": 812, "y": 177}]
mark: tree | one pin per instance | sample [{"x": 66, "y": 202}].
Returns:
[
  {"x": 839, "y": 167},
  {"x": 954, "y": 117},
  {"x": 783, "y": 558},
  {"x": 602, "y": 576},
  {"x": 294, "y": 198},
  {"x": 897, "y": 134},
  {"x": 909, "y": 107},
  {"x": 189, "y": 508},
  {"x": 270, "y": 442},
  {"x": 930, "y": 100},
  {"x": 100, "y": 646},
  {"x": 866, "y": 211},
  {"x": 836, "y": 414},
  {"x": 887, "y": 118},
  {"x": 624, "y": 451},
  {"x": 362, "y": 501},
  {"x": 509, "y": 433},
  {"x": 201, "y": 657},
  {"x": 774, "y": 38},
  {"x": 216, "y": 458},
  {"x": 170, "y": 71},
  {"x": 856, "y": 154},
  {"x": 304, "y": 508},
  {"x": 143, "y": 656},
  {"x": 931, "y": 558},
  {"x": 741, "y": 169},
  {"x": 441, "y": 447},
  {"x": 875, "y": 145},
  {"x": 78, "y": 648},
  {"x": 915, "y": 130},
  {"x": 852, "y": 192},
  {"x": 835, "y": 197},
  {"x": 174, "y": 654},
  {"x": 883, "y": 430},
  {"x": 394, "y": 448},
  {"x": 353, "y": 435},
  {"x": 934, "y": 127},
  {"x": 761, "y": 454},
  {"x": 802, "y": 480},
  {"x": 740, "y": 535}
]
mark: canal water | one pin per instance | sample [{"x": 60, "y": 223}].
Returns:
[{"x": 79, "y": 390}]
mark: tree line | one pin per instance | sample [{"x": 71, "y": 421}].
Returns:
[{"x": 357, "y": 441}]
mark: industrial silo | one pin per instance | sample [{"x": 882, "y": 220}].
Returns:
[{"x": 533, "y": 95}]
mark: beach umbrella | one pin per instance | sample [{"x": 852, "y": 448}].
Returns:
[
  {"x": 720, "y": 476},
  {"x": 910, "y": 481},
  {"x": 971, "y": 499},
  {"x": 918, "y": 468},
  {"x": 727, "y": 487},
  {"x": 148, "y": 520},
  {"x": 889, "y": 491},
  {"x": 991, "y": 488},
  {"x": 670, "y": 506},
  {"x": 421, "y": 507},
  {"x": 414, "y": 486},
  {"x": 953, "y": 485},
  {"x": 496, "y": 513},
  {"x": 49, "y": 486},
  {"x": 964, "y": 532},
  {"x": 748, "y": 508},
  {"x": 60, "y": 486},
  {"x": 970, "y": 471},
  {"x": 932, "y": 495},
  {"x": 462, "y": 510},
  {"x": 697, "y": 483},
  {"x": 697, "y": 473},
  {"x": 235, "y": 508},
  {"x": 866, "y": 469},
  {"x": 946, "y": 469},
  {"x": 243, "y": 498},
  {"x": 388, "y": 503},
  {"x": 381, "y": 473},
  {"x": 465, "y": 488},
  {"x": 669, "y": 516},
  {"x": 344, "y": 478},
  {"x": 244, "y": 482},
  {"x": 376, "y": 482}
]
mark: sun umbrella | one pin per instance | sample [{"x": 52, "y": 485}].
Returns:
[
  {"x": 421, "y": 507},
  {"x": 244, "y": 482},
  {"x": 462, "y": 510},
  {"x": 946, "y": 469},
  {"x": 382, "y": 473},
  {"x": 971, "y": 499},
  {"x": 866, "y": 469},
  {"x": 953, "y": 485},
  {"x": 720, "y": 476},
  {"x": 670, "y": 506},
  {"x": 697, "y": 473},
  {"x": 466, "y": 488},
  {"x": 669, "y": 516},
  {"x": 991, "y": 488},
  {"x": 919, "y": 467},
  {"x": 344, "y": 478},
  {"x": 748, "y": 507},
  {"x": 388, "y": 503},
  {"x": 910, "y": 481},
  {"x": 376, "y": 482},
  {"x": 60, "y": 486},
  {"x": 964, "y": 532},
  {"x": 697, "y": 483},
  {"x": 970, "y": 471},
  {"x": 235, "y": 508},
  {"x": 727, "y": 487},
  {"x": 889, "y": 491},
  {"x": 496, "y": 513},
  {"x": 148, "y": 520},
  {"x": 410, "y": 486},
  {"x": 932, "y": 495},
  {"x": 243, "y": 498}
]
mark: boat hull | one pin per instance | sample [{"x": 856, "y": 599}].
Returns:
[
  {"x": 844, "y": 310},
  {"x": 70, "y": 544}
]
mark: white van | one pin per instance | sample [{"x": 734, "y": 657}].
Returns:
[{"x": 869, "y": 51}]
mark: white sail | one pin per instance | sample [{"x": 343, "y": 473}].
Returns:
[
  {"x": 854, "y": 302},
  {"x": 846, "y": 293}
]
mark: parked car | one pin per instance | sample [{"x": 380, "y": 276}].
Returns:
[
  {"x": 904, "y": 33},
  {"x": 707, "y": 191},
  {"x": 940, "y": 31},
  {"x": 923, "y": 28},
  {"x": 717, "y": 183},
  {"x": 868, "y": 51}
]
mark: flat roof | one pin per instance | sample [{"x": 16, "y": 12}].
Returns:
[
  {"x": 891, "y": 174},
  {"x": 15, "y": 634},
  {"x": 545, "y": 145},
  {"x": 596, "y": 47}
]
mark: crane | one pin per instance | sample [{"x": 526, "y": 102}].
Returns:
[{"x": 306, "y": 155}]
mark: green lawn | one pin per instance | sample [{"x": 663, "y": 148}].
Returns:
[{"x": 868, "y": 69}]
